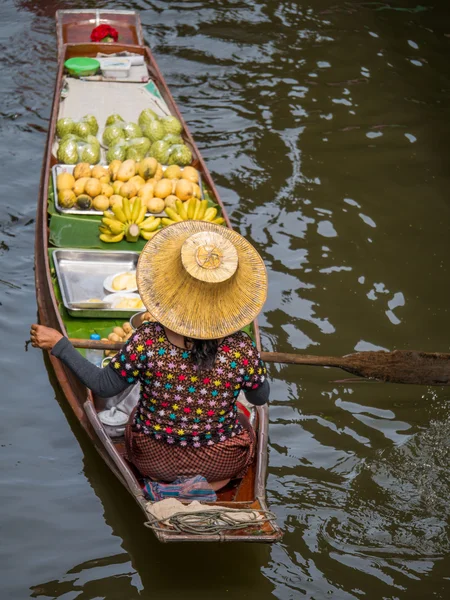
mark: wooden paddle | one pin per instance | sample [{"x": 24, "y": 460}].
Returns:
[{"x": 399, "y": 366}]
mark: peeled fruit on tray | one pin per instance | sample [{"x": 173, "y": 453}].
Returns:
[
  {"x": 159, "y": 173},
  {"x": 184, "y": 189},
  {"x": 127, "y": 170},
  {"x": 82, "y": 170},
  {"x": 130, "y": 303},
  {"x": 100, "y": 203},
  {"x": 156, "y": 205},
  {"x": 113, "y": 337},
  {"x": 173, "y": 172},
  {"x": 128, "y": 190},
  {"x": 190, "y": 173},
  {"x": 107, "y": 190},
  {"x": 65, "y": 181},
  {"x": 163, "y": 188},
  {"x": 124, "y": 282},
  {"x": 93, "y": 187},
  {"x": 197, "y": 191},
  {"x": 147, "y": 167},
  {"x": 66, "y": 198}
]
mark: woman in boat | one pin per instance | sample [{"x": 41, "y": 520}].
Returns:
[{"x": 202, "y": 283}]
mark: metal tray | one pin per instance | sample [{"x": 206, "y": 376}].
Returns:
[
  {"x": 81, "y": 274},
  {"x": 57, "y": 169}
]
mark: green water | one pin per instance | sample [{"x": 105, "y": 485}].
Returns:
[{"x": 325, "y": 126}]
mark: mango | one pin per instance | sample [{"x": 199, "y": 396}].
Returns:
[
  {"x": 163, "y": 188},
  {"x": 127, "y": 170},
  {"x": 66, "y": 198},
  {"x": 113, "y": 168},
  {"x": 65, "y": 181},
  {"x": 78, "y": 188},
  {"x": 93, "y": 187},
  {"x": 128, "y": 190},
  {"x": 82, "y": 170},
  {"x": 147, "y": 168}
]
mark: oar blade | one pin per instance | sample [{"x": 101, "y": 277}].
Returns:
[{"x": 400, "y": 366}]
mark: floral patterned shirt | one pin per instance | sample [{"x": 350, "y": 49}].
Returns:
[{"x": 178, "y": 404}]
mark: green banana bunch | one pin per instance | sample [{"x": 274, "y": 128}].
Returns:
[
  {"x": 127, "y": 221},
  {"x": 192, "y": 209}
]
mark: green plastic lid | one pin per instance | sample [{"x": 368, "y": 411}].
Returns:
[{"x": 82, "y": 64}]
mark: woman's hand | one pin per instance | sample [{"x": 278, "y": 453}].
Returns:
[{"x": 44, "y": 337}]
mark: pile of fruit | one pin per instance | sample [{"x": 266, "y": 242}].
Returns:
[
  {"x": 118, "y": 334},
  {"x": 192, "y": 209},
  {"x": 99, "y": 188},
  {"x": 87, "y": 188},
  {"x": 122, "y": 334},
  {"x": 77, "y": 141},
  {"x": 127, "y": 221},
  {"x": 174, "y": 191},
  {"x": 153, "y": 136}
]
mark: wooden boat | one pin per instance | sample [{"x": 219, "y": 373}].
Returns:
[{"x": 73, "y": 29}]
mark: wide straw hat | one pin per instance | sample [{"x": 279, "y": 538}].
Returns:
[{"x": 201, "y": 280}]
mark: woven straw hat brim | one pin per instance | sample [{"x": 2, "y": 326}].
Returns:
[{"x": 194, "y": 308}]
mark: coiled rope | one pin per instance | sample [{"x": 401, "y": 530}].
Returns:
[{"x": 207, "y": 522}]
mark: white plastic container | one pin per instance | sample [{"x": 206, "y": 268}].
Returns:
[
  {"x": 114, "y": 421},
  {"x": 115, "y": 67}
]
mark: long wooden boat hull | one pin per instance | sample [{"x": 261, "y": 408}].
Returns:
[{"x": 250, "y": 492}]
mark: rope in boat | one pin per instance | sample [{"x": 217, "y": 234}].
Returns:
[{"x": 207, "y": 522}]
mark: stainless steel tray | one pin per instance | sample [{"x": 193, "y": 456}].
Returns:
[
  {"x": 81, "y": 274},
  {"x": 57, "y": 169}
]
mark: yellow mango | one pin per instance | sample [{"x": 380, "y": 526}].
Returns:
[{"x": 127, "y": 170}]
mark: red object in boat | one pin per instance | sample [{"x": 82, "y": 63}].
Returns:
[{"x": 101, "y": 32}]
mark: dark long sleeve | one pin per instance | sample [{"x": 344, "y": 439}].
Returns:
[
  {"x": 103, "y": 382},
  {"x": 259, "y": 396}
]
